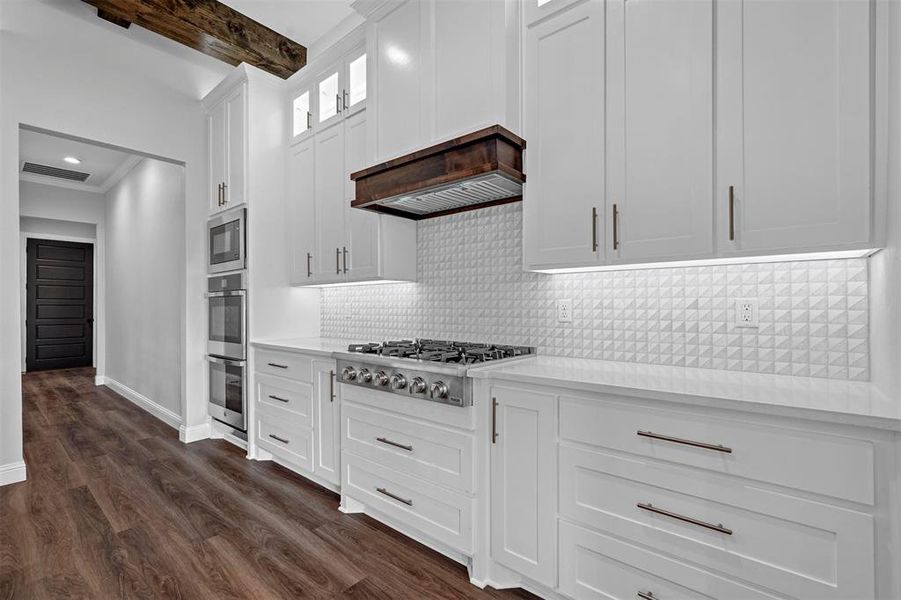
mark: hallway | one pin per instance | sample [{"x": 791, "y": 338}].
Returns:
[{"x": 116, "y": 507}]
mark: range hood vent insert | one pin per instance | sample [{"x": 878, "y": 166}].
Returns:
[{"x": 480, "y": 169}]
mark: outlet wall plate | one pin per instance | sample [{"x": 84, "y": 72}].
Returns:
[
  {"x": 565, "y": 311},
  {"x": 746, "y": 313}
]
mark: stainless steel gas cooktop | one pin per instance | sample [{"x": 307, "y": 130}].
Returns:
[{"x": 424, "y": 369}]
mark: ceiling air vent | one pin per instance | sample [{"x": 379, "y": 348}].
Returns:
[{"x": 49, "y": 171}]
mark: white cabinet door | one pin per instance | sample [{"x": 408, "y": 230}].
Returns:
[
  {"x": 330, "y": 99},
  {"x": 301, "y": 212},
  {"x": 563, "y": 104},
  {"x": 398, "y": 44},
  {"x": 355, "y": 82},
  {"x": 329, "y": 207},
  {"x": 236, "y": 180},
  {"x": 302, "y": 107},
  {"x": 327, "y": 425},
  {"x": 793, "y": 123},
  {"x": 362, "y": 225},
  {"x": 659, "y": 129},
  {"x": 523, "y": 488},
  {"x": 218, "y": 156}
]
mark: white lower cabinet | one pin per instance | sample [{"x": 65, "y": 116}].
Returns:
[
  {"x": 297, "y": 414},
  {"x": 595, "y": 496}
]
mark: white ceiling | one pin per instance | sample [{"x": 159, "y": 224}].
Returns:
[
  {"x": 303, "y": 21},
  {"x": 106, "y": 166}
]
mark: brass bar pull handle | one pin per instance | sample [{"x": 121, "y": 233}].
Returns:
[
  {"x": 615, "y": 227},
  {"x": 494, "y": 420},
  {"x": 731, "y": 213},
  {"x": 594, "y": 228},
  {"x": 385, "y": 492},
  {"x": 331, "y": 386},
  {"x": 279, "y": 398},
  {"x": 675, "y": 440},
  {"x": 278, "y": 366},
  {"x": 338, "y": 261},
  {"x": 278, "y": 439},
  {"x": 395, "y": 444},
  {"x": 221, "y": 195},
  {"x": 659, "y": 511},
  {"x": 344, "y": 252},
  {"x": 309, "y": 265},
  {"x": 647, "y": 596}
]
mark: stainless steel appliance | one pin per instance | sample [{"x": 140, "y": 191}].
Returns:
[
  {"x": 228, "y": 391},
  {"x": 433, "y": 370},
  {"x": 226, "y": 237},
  {"x": 227, "y": 308}
]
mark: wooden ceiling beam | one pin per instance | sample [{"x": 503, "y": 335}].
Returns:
[{"x": 212, "y": 28}]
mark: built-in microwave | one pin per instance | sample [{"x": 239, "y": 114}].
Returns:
[
  {"x": 227, "y": 311},
  {"x": 227, "y": 245},
  {"x": 228, "y": 391}
]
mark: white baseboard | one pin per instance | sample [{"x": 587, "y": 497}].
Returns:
[
  {"x": 194, "y": 433},
  {"x": 99, "y": 380},
  {"x": 160, "y": 412},
  {"x": 12, "y": 473}
]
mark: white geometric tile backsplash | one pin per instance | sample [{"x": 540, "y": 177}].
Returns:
[{"x": 812, "y": 314}]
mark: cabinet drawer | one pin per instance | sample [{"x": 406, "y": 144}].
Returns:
[
  {"x": 841, "y": 467},
  {"x": 799, "y": 547},
  {"x": 596, "y": 567},
  {"x": 284, "y": 364},
  {"x": 286, "y": 438},
  {"x": 439, "y": 513},
  {"x": 274, "y": 393},
  {"x": 411, "y": 446}
]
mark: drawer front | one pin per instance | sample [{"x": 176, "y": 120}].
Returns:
[
  {"x": 287, "y": 439},
  {"x": 799, "y": 547},
  {"x": 410, "y": 446},
  {"x": 596, "y": 567},
  {"x": 275, "y": 393},
  {"x": 441, "y": 514},
  {"x": 841, "y": 467},
  {"x": 284, "y": 364},
  {"x": 443, "y": 414}
]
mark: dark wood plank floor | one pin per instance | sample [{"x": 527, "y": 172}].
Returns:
[{"x": 116, "y": 507}]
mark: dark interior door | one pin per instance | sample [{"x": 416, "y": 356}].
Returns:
[{"x": 60, "y": 313}]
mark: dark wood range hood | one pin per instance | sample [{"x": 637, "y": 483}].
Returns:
[{"x": 480, "y": 169}]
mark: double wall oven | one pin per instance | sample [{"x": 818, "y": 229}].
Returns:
[{"x": 227, "y": 313}]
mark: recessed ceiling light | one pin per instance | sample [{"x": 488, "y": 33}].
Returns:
[{"x": 72, "y": 160}]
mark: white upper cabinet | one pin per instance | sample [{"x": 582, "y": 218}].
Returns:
[
  {"x": 331, "y": 96},
  {"x": 227, "y": 128},
  {"x": 794, "y": 124},
  {"x": 443, "y": 68},
  {"x": 563, "y": 107},
  {"x": 362, "y": 226},
  {"x": 301, "y": 211},
  {"x": 659, "y": 130},
  {"x": 301, "y": 114},
  {"x": 330, "y": 205}
]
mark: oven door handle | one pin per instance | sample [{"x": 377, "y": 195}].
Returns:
[
  {"x": 226, "y": 361},
  {"x": 225, "y": 294}
]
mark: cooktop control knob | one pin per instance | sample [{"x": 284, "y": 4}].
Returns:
[
  {"x": 418, "y": 386},
  {"x": 365, "y": 376},
  {"x": 438, "y": 390},
  {"x": 398, "y": 381},
  {"x": 380, "y": 379},
  {"x": 349, "y": 374}
]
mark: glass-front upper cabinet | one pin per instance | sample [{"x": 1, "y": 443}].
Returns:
[
  {"x": 355, "y": 87},
  {"x": 302, "y": 111},
  {"x": 330, "y": 95}
]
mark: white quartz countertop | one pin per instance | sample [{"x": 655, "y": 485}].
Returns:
[
  {"x": 318, "y": 346},
  {"x": 846, "y": 402}
]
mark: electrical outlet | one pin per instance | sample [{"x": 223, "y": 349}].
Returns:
[
  {"x": 564, "y": 311},
  {"x": 746, "y": 313}
]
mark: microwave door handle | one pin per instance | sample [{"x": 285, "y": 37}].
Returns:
[
  {"x": 226, "y": 294},
  {"x": 225, "y": 361}
]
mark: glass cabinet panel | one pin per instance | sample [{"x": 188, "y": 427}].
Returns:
[
  {"x": 302, "y": 113},
  {"x": 357, "y": 80},
  {"x": 329, "y": 97}
]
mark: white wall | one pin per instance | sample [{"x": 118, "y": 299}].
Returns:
[
  {"x": 65, "y": 70},
  {"x": 36, "y": 227},
  {"x": 144, "y": 266},
  {"x": 63, "y": 204}
]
